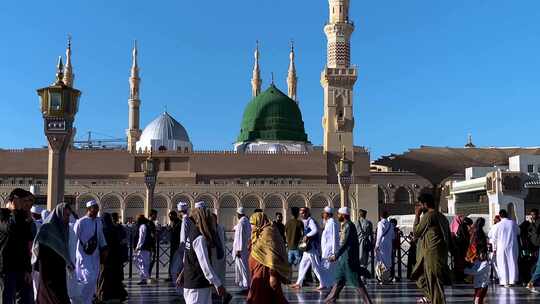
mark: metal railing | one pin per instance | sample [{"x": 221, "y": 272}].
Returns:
[{"x": 403, "y": 256}]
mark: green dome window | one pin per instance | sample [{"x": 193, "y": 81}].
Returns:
[{"x": 272, "y": 116}]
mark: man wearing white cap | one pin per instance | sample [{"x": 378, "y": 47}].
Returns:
[
  {"x": 242, "y": 237},
  {"x": 91, "y": 242},
  {"x": 311, "y": 256},
  {"x": 329, "y": 246},
  {"x": 348, "y": 260}
]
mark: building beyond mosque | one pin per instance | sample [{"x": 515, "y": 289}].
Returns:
[{"x": 273, "y": 165}]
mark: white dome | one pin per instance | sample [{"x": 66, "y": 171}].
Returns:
[{"x": 165, "y": 133}]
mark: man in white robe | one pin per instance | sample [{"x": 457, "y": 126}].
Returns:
[
  {"x": 329, "y": 246},
  {"x": 311, "y": 257},
  {"x": 383, "y": 244},
  {"x": 143, "y": 253},
  {"x": 74, "y": 287},
  {"x": 504, "y": 238},
  {"x": 87, "y": 267},
  {"x": 242, "y": 238}
]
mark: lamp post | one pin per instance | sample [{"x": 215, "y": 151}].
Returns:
[
  {"x": 59, "y": 104},
  {"x": 150, "y": 179},
  {"x": 344, "y": 169}
]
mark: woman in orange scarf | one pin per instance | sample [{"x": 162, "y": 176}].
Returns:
[{"x": 268, "y": 262}]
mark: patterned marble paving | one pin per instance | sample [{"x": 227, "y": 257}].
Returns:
[{"x": 404, "y": 292}]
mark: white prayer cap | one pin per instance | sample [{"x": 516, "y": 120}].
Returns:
[
  {"x": 36, "y": 210},
  {"x": 328, "y": 210},
  {"x": 182, "y": 206},
  {"x": 344, "y": 210},
  {"x": 45, "y": 214},
  {"x": 240, "y": 210},
  {"x": 91, "y": 203},
  {"x": 200, "y": 204}
]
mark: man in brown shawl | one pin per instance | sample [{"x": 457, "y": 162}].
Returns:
[
  {"x": 268, "y": 262},
  {"x": 433, "y": 233}
]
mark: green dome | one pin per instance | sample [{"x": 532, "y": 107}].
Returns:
[{"x": 272, "y": 116}]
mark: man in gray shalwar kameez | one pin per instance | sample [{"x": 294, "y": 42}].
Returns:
[{"x": 364, "y": 229}]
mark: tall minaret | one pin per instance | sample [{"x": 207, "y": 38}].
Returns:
[
  {"x": 256, "y": 80},
  {"x": 337, "y": 79},
  {"x": 134, "y": 132},
  {"x": 292, "y": 80},
  {"x": 68, "y": 69}
]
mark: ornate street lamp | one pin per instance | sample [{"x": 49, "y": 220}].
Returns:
[
  {"x": 344, "y": 168},
  {"x": 59, "y": 104},
  {"x": 150, "y": 178}
]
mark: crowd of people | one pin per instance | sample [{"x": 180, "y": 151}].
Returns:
[{"x": 59, "y": 257}]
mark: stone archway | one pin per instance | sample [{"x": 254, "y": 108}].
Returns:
[
  {"x": 227, "y": 211},
  {"x": 111, "y": 203},
  {"x": 295, "y": 200},
  {"x": 273, "y": 204},
  {"x": 161, "y": 205},
  {"x": 209, "y": 199},
  {"x": 181, "y": 197},
  {"x": 402, "y": 196},
  {"x": 134, "y": 205},
  {"x": 250, "y": 202},
  {"x": 80, "y": 203},
  {"x": 317, "y": 203}
]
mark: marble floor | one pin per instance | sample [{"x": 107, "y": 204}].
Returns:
[{"x": 404, "y": 292}]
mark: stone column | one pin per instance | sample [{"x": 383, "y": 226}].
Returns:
[{"x": 56, "y": 169}]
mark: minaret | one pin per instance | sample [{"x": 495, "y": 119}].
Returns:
[
  {"x": 68, "y": 69},
  {"x": 256, "y": 80},
  {"x": 292, "y": 80},
  {"x": 338, "y": 79},
  {"x": 134, "y": 132}
]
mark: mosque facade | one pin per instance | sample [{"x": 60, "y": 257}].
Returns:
[{"x": 272, "y": 166}]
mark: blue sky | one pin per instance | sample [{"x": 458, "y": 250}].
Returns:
[{"x": 431, "y": 71}]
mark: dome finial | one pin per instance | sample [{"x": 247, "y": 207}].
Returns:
[
  {"x": 68, "y": 70},
  {"x": 59, "y": 71},
  {"x": 256, "y": 80}
]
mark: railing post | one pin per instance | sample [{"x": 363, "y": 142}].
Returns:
[
  {"x": 398, "y": 253},
  {"x": 130, "y": 274},
  {"x": 156, "y": 262},
  {"x": 373, "y": 257}
]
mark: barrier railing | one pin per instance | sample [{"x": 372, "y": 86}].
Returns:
[{"x": 403, "y": 256}]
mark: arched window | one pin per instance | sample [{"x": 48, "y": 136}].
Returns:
[{"x": 402, "y": 196}]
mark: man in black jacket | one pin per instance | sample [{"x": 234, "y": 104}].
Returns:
[
  {"x": 15, "y": 243},
  {"x": 533, "y": 235}
]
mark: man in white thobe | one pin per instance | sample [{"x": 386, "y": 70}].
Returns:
[
  {"x": 329, "y": 246},
  {"x": 143, "y": 253},
  {"x": 383, "y": 244},
  {"x": 87, "y": 228},
  {"x": 242, "y": 237},
  {"x": 505, "y": 245},
  {"x": 311, "y": 257}
]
